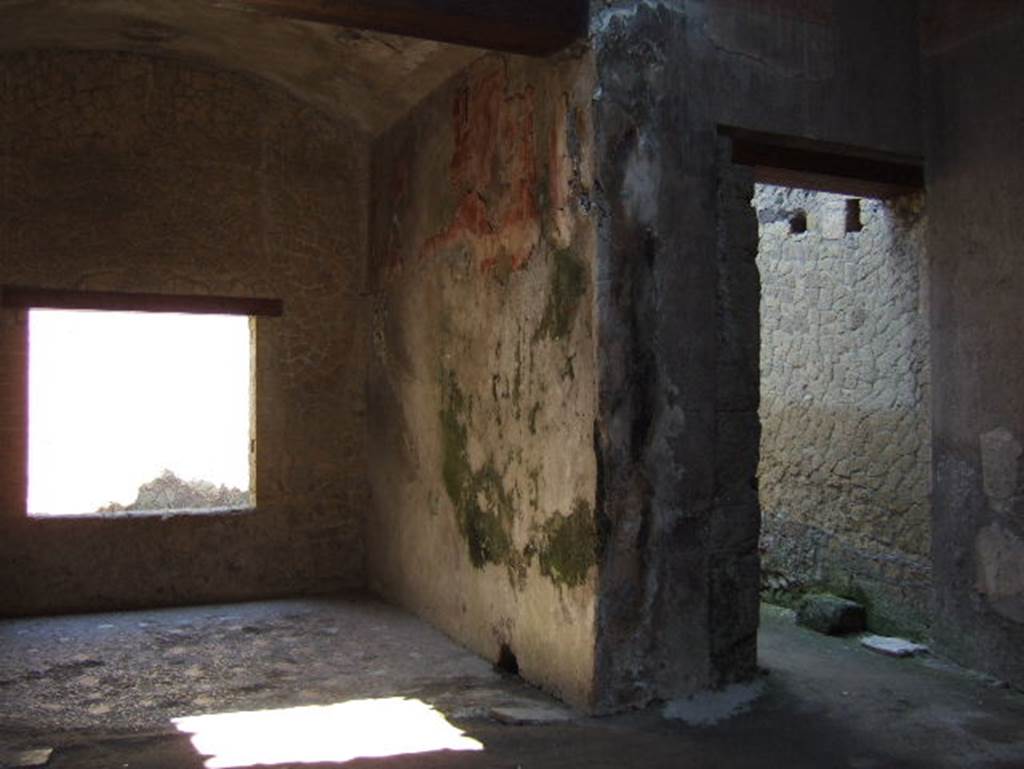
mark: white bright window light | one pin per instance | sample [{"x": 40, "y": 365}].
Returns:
[
  {"x": 118, "y": 398},
  {"x": 372, "y": 728}
]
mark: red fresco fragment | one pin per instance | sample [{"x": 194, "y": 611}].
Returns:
[{"x": 493, "y": 171}]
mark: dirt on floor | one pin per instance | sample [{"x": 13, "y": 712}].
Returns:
[{"x": 356, "y": 683}]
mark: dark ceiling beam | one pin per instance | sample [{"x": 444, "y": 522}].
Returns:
[
  {"x": 27, "y": 298},
  {"x": 532, "y": 27},
  {"x": 806, "y": 164}
]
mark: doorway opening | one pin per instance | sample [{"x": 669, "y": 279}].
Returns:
[{"x": 844, "y": 472}]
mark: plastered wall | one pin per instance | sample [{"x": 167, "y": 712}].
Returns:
[
  {"x": 678, "y": 300},
  {"x": 127, "y": 173},
  {"x": 845, "y": 466},
  {"x": 975, "y": 175},
  {"x": 482, "y": 380}
]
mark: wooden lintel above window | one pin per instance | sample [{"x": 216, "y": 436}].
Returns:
[
  {"x": 795, "y": 162},
  {"x": 120, "y": 301}
]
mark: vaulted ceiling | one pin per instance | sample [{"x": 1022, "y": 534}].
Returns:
[{"x": 369, "y": 79}]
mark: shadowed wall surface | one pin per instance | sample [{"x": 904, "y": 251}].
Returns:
[
  {"x": 129, "y": 173},
  {"x": 678, "y": 297},
  {"x": 975, "y": 178}
]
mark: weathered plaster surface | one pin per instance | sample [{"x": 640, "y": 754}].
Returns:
[
  {"x": 129, "y": 173},
  {"x": 678, "y": 431},
  {"x": 481, "y": 391},
  {"x": 798, "y": 68},
  {"x": 678, "y": 593},
  {"x": 845, "y": 444},
  {"x": 975, "y": 176}
]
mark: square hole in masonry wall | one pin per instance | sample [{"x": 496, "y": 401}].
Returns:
[
  {"x": 135, "y": 411},
  {"x": 798, "y": 223},
  {"x": 853, "y": 220}
]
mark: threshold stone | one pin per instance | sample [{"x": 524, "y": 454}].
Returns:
[
  {"x": 830, "y": 614},
  {"x": 893, "y": 647}
]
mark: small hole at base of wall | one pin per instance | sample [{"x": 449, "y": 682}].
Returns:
[
  {"x": 853, "y": 222},
  {"x": 798, "y": 223},
  {"x": 507, "y": 662}
]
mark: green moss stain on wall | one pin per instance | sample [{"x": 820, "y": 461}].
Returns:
[
  {"x": 566, "y": 546},
  {"x": 567, "y": 287},
  {"x": 455, "y": 469},
  {"x": 485, "y": 516},
  {"x": 569, "y": 546},
  {"x": 483, "y": 506},
  {"x": 517, "y": 380}
]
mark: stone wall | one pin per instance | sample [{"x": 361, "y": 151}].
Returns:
[
  {"x": 975, "y": 176},
  {"x": 845, "y": 445},
  {"x": 481, "y": 390},
  {"x": 126, "y": 173}
]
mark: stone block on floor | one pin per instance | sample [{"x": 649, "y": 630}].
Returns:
[{"x": 831, "y": 614}]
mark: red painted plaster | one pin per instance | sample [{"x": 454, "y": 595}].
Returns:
[{"x": 493, "y": 171}]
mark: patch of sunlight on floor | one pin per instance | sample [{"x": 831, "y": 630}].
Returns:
[{"x": 344, "y": 731}]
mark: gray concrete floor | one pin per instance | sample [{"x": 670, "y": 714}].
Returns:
[{"x": 104, "y": 690}]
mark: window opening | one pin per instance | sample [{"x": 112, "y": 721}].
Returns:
[{"x": 138, "y": 411}]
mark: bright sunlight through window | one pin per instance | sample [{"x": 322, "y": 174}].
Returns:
[
  {"x": 137, "y": 411},
  {"x": 336, "y": 733}
]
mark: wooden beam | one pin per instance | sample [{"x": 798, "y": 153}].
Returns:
[
  {"x": 532, "y": 27},
  {"x": 795, "y": 162},
  {"x": 118, "y": 301}
]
